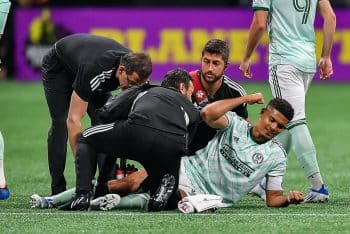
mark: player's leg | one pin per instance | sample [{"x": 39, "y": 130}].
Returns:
[
  {"x": 291, "y": 84},
  {"x": 4, "y": 192},
  {"x": 163, "y": 172},
  {"x": 47, "y": 202},
  {"x": 114, "y": 201},
  {"x": 111, "y": 139},
  {"x": 106, "y": 163},
  {"x": 58, "y": 92},
  {"x": 305, "y": 150}
]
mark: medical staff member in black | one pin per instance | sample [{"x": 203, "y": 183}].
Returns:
[
  {"x": 79, "y": 72},
  {"x": 156, "y": 133}
]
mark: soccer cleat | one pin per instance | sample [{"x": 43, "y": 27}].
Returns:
[
  {"x": 4, "y": 193},
  {"x": 107, "y": 202},
  {"x": 81, "y": 202},
  {"x": 317, "y": 196},
  {"x": 259, "y": 191},
  {"x": 159, "y": 200},
  {"x": 36, "y": 201}
]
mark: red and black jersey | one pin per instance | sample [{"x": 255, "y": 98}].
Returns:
[{"x": 228, "y": 89}]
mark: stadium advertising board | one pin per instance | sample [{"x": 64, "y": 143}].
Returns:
[{"x": 173, "y": 37}]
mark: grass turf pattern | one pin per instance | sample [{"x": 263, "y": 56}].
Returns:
[{"x": 24, "y": 122}]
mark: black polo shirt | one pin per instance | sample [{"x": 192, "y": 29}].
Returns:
[
  {"x": 92, "y": 60},
  {"x": 166, "y": 110}
]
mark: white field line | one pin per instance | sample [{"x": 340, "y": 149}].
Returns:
[{"x": 173, "y": 214}]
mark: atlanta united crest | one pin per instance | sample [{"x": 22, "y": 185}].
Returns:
[{"x": 257, "y": 158}]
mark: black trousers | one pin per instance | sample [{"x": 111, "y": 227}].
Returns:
[
  {"x": 159, "y": 152},
  {"x": 57, "y": 81}
]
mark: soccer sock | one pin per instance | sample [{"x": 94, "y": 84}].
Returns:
[
  {"x": 134, "y": 201},
  {"x": 316, "y": 181},
  {"x": 305, "y": 150},
  {"x": 2, "y": 174},
  {"x": 285, "y": 139},
  {"x": 263, "y": 183},
  {"x": 61, "y": 198}
]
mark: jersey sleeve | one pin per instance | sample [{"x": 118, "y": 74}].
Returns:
[
  {"x": 83, "y": 84},
  {"x": 280, "y": 162},
  {"x": 231, "y": 117},
  {"x": 261, "y": 5}
]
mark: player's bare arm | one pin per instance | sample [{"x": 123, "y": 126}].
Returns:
[
  {"x": 329, "y": 25},
  {"x": 256, "y": 31},
  {"x": 275, "y": 198},
  {"x": 77, "y": 110},
  {"x": 214, "y": 113}
]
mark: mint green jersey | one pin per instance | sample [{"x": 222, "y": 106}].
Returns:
[
  {"x": 232, "y": 163},
  {"x": 291, "y": 32},
  {"x": 4, "y": 10}
]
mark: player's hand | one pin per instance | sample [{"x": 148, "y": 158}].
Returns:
[
  {"x": 325, "y": 68},
  {"x": 295, "y": 197},
  {"x": 245, "y": 69},
  {"x": 255, "y": 98}
]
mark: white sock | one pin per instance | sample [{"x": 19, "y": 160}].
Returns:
[
  {"x": 316, "y": 181},
  {"x": 2, "y": 174}
]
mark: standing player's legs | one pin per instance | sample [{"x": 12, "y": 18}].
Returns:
[
  {"x": 4, "y": 192},
  {"x": 291, "y": 84},
  {"x": 58, "y": 91}
]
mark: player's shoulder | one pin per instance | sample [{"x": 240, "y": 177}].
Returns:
[
  {"x": 276, "y": 147},
  {"x": 233, "y": 86}
]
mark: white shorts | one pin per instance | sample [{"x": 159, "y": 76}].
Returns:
[
  {"x": 185, "y": 183},
  {"x": 291, "y": 84}
]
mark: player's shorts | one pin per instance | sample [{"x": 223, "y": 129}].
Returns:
[
  {"x": 185, "y": 183},
  {"x": 291, "y": 84},
  {"x": 4, "y": 11}
]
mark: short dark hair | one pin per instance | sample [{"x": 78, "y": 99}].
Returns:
[
  {"x": 175, "y": 77},
  {"x": 283, "y": 106},
  {"x": 217, "y": 46},
  {"x": 137, "y": 62}
]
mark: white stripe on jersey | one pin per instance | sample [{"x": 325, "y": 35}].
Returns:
[
  {"x": 97, "y": 80},
  {"x": 98, "y": 129},
  {"x": 234, "y": 85}
]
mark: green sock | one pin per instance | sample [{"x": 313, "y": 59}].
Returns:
[
  {"x": 134, "y": 201},
  {"x": 304, "y": 149},
  {"x": 62, "y": 198},
  {"x": 285, "y": 138}
]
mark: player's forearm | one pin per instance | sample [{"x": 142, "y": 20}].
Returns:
[
  {"x": 278, "y": 201},
  {"x": 328, "y": 33},
  {"x": 74, "y": 132},
  {"x": 215, "y": 110},
  {"x": 256, "y": 31},
  {"x": 212, "y": 112}
]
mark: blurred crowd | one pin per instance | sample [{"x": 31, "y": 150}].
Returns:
[{"x": 6, "y": 44}]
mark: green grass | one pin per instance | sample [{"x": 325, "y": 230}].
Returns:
[{"x": 24, "y": 123}]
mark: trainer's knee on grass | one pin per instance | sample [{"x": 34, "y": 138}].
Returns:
[{"x": 128, "y": 184}]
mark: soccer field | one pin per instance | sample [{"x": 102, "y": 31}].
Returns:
[{"x": 24, "y": 123}]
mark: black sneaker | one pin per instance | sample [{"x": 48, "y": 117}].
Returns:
[
  {"x": 81, "y": 202},
  {"x": 166, "y": 188}
]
